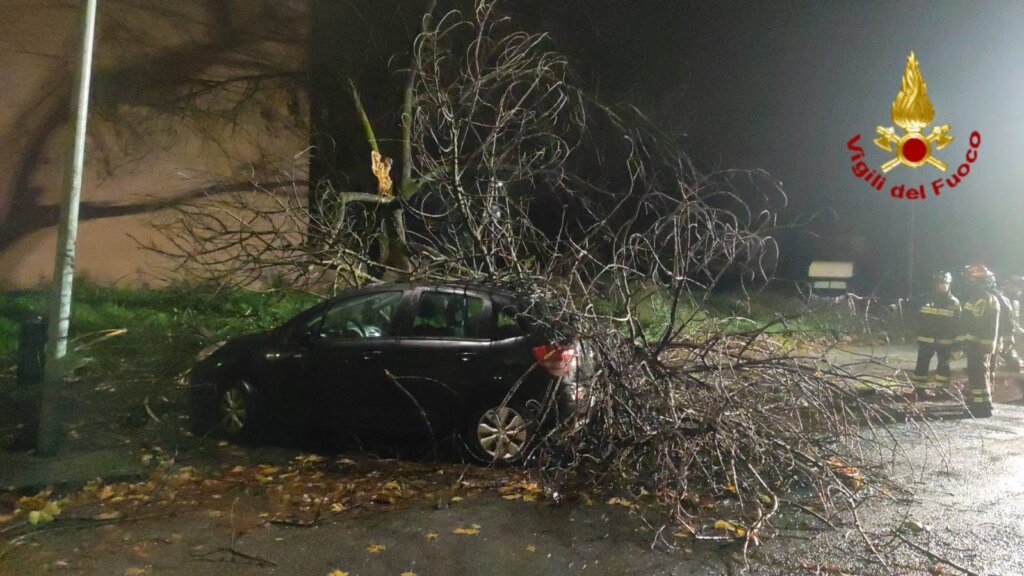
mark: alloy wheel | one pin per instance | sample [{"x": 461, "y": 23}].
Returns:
[
  {"x": 233, "y": 412},
  {"x": 502, "y": 433}
]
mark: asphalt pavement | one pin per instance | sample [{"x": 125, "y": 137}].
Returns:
[{"x": 962, "y": 515}]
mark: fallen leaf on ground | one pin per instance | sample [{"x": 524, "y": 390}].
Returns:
[
  {"x": 621, "y": 502},
  {"x": 736, "y": 529},
  {"x": 850, "y": 474},
  {"x": 338, "y": 573},
  {"x": 408, "y": 573},
  {"x": 113, "y": 514},
  {"x": 134, "y": 571},
  {"x": 684, "y": 532},
  {"x": 915, "y": 526},
  {"x": 531, "y": 548},
  {"x": 376, "y": 548},
  {"x": 431, "y": 536},
  {"x": 386, "y": 499},
  {"x": 45, "y": 515},
  {"x": 468, "y": 531}
]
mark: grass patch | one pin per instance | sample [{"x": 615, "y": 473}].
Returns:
[
  {"x": 163, "y": 328},
  {"x": 725, "y": 312}
]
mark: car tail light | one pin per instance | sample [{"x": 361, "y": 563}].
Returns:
[{"x": 559, "y": 361}]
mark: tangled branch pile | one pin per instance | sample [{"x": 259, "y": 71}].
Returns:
[{"x": 513, "y": 175}]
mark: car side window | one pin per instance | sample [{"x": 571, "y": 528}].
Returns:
[
  {"x": 444, "y": 315},
  {"x": 506, "y": 324},
  {"x": 367, "y": 316}
]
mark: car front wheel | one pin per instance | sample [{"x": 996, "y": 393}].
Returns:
[
  {"x": 236, "y": 411},
  {"x": 499, "y": 434}
]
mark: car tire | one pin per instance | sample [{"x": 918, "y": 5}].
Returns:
[
  {"x": 499, "y": 433},
  {"x": 237, "y": 412}
]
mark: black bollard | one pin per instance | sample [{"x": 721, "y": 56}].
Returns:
[{"x": 32, "y": 351}]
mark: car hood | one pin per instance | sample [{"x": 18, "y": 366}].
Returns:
[{"x": 238, "y": 346}]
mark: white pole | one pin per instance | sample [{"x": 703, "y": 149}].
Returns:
[{"x": 63, "y": 273}]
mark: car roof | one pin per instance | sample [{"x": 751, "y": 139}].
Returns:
[
  {"x": 491, "y": 290},
  {"x": 501, "y": 296}
]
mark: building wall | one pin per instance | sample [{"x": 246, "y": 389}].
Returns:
[{"x": 189, "y": 98}]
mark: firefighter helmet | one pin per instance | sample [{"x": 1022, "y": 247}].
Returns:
[
  {"x": 942, "y": 277},
  {"x": 979, "y": 274}
]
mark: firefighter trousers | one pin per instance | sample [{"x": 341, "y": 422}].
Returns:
[
  {"x": 979, "y": 384},
  {"x": 925, "y": 351}
]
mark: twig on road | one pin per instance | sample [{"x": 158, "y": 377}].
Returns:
[
  {"x": 149, "y": 411},
  {"x": 867, "y": 540},
  {"x": 234, "y": 552},
  {"x": 935, "y": 556},
  {"x": 262, "y": 562},
  {"x": 812, "y": 513}
]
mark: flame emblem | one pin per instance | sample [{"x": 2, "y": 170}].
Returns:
[{"x": 912, "y": 110}]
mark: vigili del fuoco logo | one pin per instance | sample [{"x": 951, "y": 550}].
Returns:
[{"x": 912, "y": 111}]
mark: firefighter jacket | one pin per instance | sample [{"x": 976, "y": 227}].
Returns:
[
  {"x": 938, "y": 319},
  {"x": 1007, "y": 320},
  {"x": 979, "y": 322}
]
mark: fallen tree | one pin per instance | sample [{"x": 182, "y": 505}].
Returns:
[{"x": 510, "y": 174}]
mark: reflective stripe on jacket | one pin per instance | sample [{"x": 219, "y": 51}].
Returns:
[{"x": 938, "y": 320}]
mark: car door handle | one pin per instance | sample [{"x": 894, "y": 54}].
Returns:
[
  {"x": 371, "y": 355},
  {"x": 466, "y": 356}
]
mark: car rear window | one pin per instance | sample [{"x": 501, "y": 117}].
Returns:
[
  {"x": 527, "y": 318},
  {"x": 507, "y": 326}
]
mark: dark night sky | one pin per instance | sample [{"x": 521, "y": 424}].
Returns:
[{"x": 781, "y": 86}]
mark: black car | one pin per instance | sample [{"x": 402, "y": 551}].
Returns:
[{"x": 471, "y": 363}]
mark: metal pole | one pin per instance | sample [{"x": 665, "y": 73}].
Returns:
[
  {"x": 910, "y": 255},
  {"x": 67, "y": 232}
]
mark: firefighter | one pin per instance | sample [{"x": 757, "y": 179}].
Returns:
[
  {"x": 979, "y": 331},
  {"x": 937, "y": 320},
  {"x": 1015, "y": 292},
  {"x": 1008, "y": 326}
]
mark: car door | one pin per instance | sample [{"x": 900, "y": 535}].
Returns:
[
  {"x": 440, "y": 356},
  {"x": 344, "y": 362}
]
